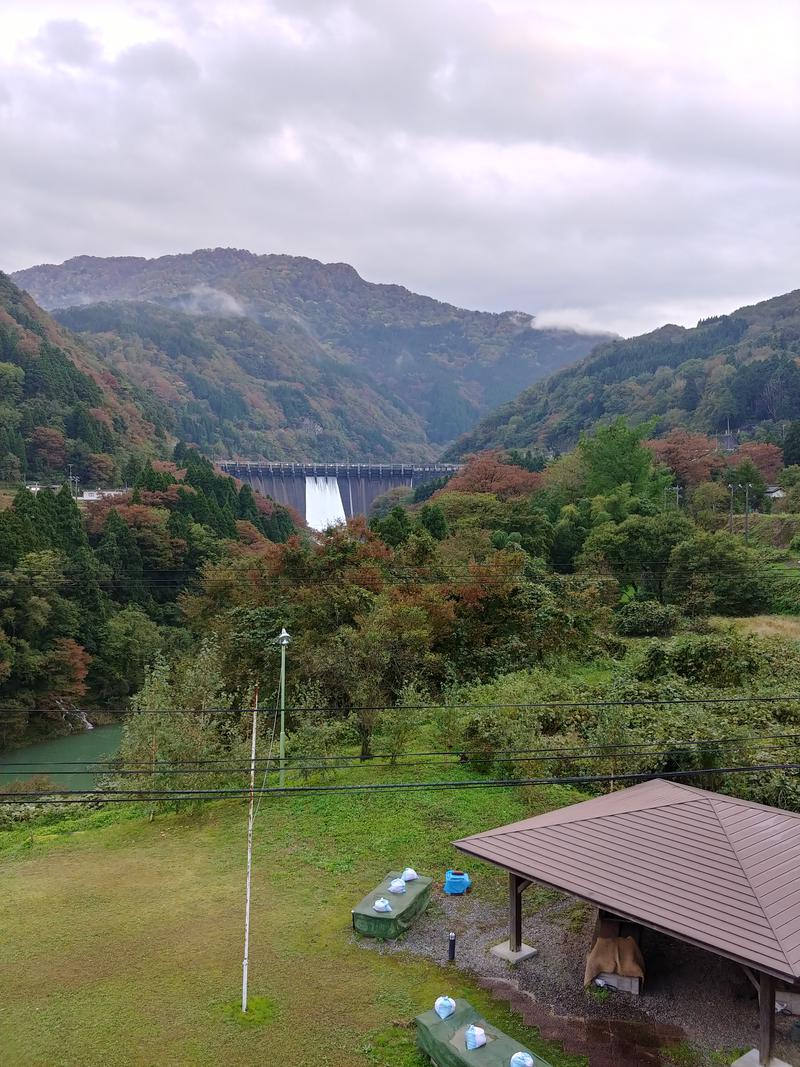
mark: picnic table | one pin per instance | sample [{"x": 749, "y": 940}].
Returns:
[
  {"x": 443, "y": 1040},
  {"x": 405, "y": 907}
]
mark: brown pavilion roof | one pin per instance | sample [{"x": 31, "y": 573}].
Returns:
[{"x": 715, "y": 871}]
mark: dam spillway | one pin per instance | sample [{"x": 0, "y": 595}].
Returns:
[
  {"x": 311, "y": 488},
  {"x": 324, "y": 504}
]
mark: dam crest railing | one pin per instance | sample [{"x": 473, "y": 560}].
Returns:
[{"x": 336, "y": 470}]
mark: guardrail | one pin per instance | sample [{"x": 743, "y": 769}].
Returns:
[{"x": 357, "y": 470}]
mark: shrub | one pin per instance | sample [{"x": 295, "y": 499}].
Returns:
[
  {"x": 709, "y": 659},
  {"x": 313, "y": 741},
  {"x": 716, "y": 573},
  {"x": 646, "y": 618}
]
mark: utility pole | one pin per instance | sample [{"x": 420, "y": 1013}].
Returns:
[
  {"x": 747, "y": 489},
  {"x": 249, "y": 851},
  {"x": 283, "y": 640},
  {"x": 730, "y": 515}
]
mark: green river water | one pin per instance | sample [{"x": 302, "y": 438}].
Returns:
[{"x": 66, "y": 760}]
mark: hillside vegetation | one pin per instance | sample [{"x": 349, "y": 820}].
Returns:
[
  {"x": 60, "y": 405},
  {"x": 285, "y": 357},
  {"x": 89, "y": 599},
  {"x": 741, "y": 369},
  {"x": 579, "y": 583}
]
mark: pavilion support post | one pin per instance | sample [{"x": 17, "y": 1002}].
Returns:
[
  {"x": 515, "y": 950},
  {"x": 514, "y": 913},
  {"x": 766, "y": 1000}
]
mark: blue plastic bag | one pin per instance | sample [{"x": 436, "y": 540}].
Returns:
[
  {"x": 521, "y": 1059},
  {"x": 444, "y": 1007},
  {"x": 474, "y": 1037}
]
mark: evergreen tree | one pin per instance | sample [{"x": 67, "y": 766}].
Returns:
[
  {"x": 152, "y": 480},
  {"x": 246, "y": 506},
  {"x": 690, "y": 397},
  {"x": 68, "y": 532},
  {"x": 118, "y": 550},
  {"x": 432, "y": 518},
  {"x": 131, "y": 471},
  {"x": 791, "y": 445},
  {"x": 395, "y": 528}
]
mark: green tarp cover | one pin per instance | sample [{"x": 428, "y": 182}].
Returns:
[
  {"x": 405, "y": 907},
  {"x": 443, "y": 1040}
]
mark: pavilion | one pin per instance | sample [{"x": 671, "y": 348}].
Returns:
[{"x": 708, "y": 869}]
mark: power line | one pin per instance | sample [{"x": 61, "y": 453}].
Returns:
[
  {"x": 464, "y": 754},
  {"x": 121, "y": 796},
  {"x": 633, "y": 702},
  {"x": 439, "y": 759}
]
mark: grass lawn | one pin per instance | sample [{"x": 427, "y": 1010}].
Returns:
[{"x": 121, "y": 939}]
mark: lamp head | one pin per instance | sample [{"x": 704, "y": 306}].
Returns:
[{"x": 283, "y": 637}]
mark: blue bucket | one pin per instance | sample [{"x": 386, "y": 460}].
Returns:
[{"x": 456, "y": 882}]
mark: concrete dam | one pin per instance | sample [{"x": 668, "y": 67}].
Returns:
[{"x": 327, "y": 493}]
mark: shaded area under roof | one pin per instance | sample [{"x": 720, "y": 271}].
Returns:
[{"x": 710, "y": 869}]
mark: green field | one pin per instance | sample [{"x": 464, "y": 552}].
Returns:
[{"x": 121, "y": 939}]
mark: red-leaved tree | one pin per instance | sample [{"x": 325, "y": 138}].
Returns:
[
  {"x": 767, "y": 458},
  {"x": 692, "y": 457},
  {"x": 486, "y": 472}
]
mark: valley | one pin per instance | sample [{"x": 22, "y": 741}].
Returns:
[{"x": 284, "y": 358}]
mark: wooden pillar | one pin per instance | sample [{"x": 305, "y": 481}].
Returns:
[
  {"x": 766, "y": 1001},
  {"x": 515, "y": 887}
]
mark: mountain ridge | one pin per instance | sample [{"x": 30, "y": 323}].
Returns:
[
  {"x": 741, "y": 369},
  {"x": 337, "y": 366}
]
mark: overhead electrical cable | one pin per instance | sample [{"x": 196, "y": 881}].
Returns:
[{"x": 126, "y": 796}]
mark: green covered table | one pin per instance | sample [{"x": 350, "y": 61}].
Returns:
[
  {"x": 443, "y": 1040},
  {"x": 405, "y": 908}
]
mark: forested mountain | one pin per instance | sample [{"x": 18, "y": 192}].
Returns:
[
  {"x": 742, "y": 369},
  {"x": 59, "y": 404},
  {"x": 88, "y": 597},
  {"x": 285, "y": 357}
]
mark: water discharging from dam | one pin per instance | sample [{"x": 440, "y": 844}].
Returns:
[{"x": 324, "y": 505}]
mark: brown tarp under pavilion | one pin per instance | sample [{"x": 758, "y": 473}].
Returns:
[{"x": 717, "y": 872}]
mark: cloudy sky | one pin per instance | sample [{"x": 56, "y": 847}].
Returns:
[{"x": 616, "y": 164}]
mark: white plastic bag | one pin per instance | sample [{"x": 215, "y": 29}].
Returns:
[
  {"x": 397, "y": 885},
  {"x": 444, "y": 1007},
  {"x": 381, "y": 904},
  {"x": 474, "y": 1037},
  {"x": 521, "y": 1059},
  {"x": 409, "y": 875}
]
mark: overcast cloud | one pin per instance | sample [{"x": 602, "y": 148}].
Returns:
[{"x": 616, "y": 165}]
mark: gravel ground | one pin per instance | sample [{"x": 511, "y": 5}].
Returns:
[{"x": 708, "y": 998}]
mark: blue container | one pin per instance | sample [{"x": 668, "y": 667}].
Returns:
[{"x": 456, "y": 882}]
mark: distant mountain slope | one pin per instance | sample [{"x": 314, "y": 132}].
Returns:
[
  {"x": 742, "y": 368},
  {"x": 282, "y": 357},
  {"x": 60, "y": 405}
]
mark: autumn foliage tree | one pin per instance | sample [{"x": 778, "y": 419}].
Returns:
[
  {"x": 487, "y": 472},
  {"x": 692, "y": 457},
  {"x": 766, "y": 458},
  {"x": 49, "y": 444}
]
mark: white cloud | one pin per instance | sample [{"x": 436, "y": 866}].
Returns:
[{"x": 619, "y": 165}]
